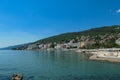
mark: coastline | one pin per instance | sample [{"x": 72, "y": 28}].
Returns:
[
  {"x": 94, "y": 57},
  {"x": 108, "y": 54}
]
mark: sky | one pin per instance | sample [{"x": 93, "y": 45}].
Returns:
[{"x": 24, "y": 21}]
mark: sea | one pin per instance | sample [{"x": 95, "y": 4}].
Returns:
[{"x": 55, "y": 65}]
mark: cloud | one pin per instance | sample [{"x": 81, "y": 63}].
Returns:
[{"x": 118, "y": 11}]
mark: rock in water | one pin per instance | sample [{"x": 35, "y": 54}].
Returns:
[{"x": 17, "y": 77}]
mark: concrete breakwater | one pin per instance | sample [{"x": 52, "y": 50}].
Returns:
[{"x": 109, "y": 54}]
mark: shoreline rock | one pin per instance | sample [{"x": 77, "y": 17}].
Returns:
[
  {"x": 95, "y": 57},
  {"x": 108, "y": 54}
]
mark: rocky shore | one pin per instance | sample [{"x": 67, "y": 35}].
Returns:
[
  {"x": 111, "y": 54},
  {"x": 94, "y": 57}
]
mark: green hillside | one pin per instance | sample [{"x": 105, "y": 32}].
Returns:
[
  {"x": 92, "y": 32},
  {"x": 101, "y": 37}
]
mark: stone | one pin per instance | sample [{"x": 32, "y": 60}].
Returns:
[{"x": 17, "y": 77}]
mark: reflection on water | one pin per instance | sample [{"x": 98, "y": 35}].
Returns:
[{"x": 55, "y": 65}]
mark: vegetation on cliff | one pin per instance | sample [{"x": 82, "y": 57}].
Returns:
[{"x": 103, "y": 37}]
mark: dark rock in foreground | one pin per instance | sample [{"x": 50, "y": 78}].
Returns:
[{"x": 17, "y": 77}]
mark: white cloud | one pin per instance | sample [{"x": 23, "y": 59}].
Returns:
[{"x": 118, "y": 11}]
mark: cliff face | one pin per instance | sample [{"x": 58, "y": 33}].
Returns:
[{"x": 104, "y": 37}]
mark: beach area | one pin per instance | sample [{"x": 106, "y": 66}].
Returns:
[{"x": 109, "y": 54}]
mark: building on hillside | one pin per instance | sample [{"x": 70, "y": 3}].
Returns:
[
  {"x": 117, "y": 41},
  {"x": 58, "y": 46},
  {"x": 40, "y": 46},
  {"x": 32, "y": 46}
]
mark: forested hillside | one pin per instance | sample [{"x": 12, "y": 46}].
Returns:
[{"x": 103, "y": 37}]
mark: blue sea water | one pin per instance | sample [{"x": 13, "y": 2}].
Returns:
[{"x": 55, "y": 65}]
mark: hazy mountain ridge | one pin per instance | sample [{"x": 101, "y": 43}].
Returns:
[
  {"x": 13, "y": 47},
  {"x": 107, "y": 36}
]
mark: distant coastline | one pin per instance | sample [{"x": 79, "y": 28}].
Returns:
[
  {"x": 101, "y": 43},
  {"x": 96, "y": 38}
]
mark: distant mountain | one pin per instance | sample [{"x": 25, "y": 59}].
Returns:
[
  {"x": 13, "y": 47},
  {"x": 107, "y": 36}
]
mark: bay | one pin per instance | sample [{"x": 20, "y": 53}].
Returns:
[{"x": 55, "y": 65}]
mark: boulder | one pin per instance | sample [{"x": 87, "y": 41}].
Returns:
[{"x": 17, "y": 77}]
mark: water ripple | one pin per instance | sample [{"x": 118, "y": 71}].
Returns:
[{"x": 7, "y": 69}]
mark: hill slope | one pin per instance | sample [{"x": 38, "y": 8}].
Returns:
[
  {"x": 13, "y": 47},
  {"x": 107, "y": 36}
]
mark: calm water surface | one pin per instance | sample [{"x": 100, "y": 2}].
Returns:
[{"x": 55, "y": 65}]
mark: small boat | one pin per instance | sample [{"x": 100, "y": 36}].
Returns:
[{"x": 17, "y": 77}]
